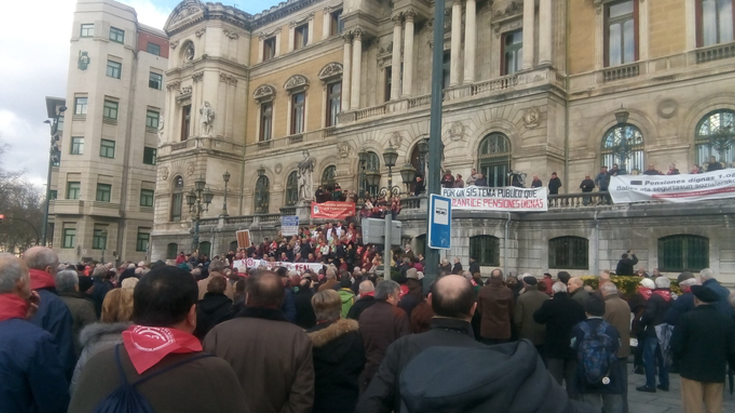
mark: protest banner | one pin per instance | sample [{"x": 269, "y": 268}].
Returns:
[
  {"x": 289, "y": 225},
  {"x": 243, "y": 238},
  {"x": 332, "y": 210},
  {"x": 297, "y": 266},
  {"x": 512, "y": 199},
  {"x": 673, "y": 188}
]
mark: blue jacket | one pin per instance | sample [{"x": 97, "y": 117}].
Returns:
[
  {"x": 289, "y": 305},
  {"x": 54, "y": 316},
  {"x": 683, "y": 304},
  {"x": 33, "y": 379},
  {"x": 723, "y": 305}
]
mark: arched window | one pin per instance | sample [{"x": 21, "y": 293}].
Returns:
[
  {"x": 623, "y": 145},
  {"x": 570, "y": 253},
  {"x": 494, "y": 159},
  {"x": 262, "y": 195},
  {"x": 177, "y": 198},
  {"x": 172, "y": 250},
  {"x": 372, "y": 166},
  {"x": 678, "y": 253},
  {"x": 485, "y": 249},
  {"x": 328, "y": 178},
  {"x": 205, "y": 248},
  {"x": 715, "y": 136},
  {"x": 292, "y": 189}
]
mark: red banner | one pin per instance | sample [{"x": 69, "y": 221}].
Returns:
[{"x": 332, "y": 210}]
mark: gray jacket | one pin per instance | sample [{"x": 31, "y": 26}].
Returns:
[{"x": 95, "y": 338}]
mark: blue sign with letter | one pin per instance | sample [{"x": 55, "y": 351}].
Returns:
[{"x": 440, "y": 222}]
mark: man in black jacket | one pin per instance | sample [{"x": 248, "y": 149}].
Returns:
[
  {"x": 453, "y": 301},
  {"x": 626, "y": 264},
  {"x": 367, "y": 299},
  {"x": 305, "y": 317},
  {"x": 554, "y": 184},
  {"x": 474, "y": 266},
  {"x": 560, "y": 315},
  {"x": 653, "y": 353},
  {"x": 703, "y": 342}
]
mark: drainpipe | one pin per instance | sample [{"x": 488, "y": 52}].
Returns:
[
  {"x": 597, "y": 244},
  {"x": 505, "y": 246}
]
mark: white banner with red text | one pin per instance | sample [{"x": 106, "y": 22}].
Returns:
[
  {"x": 673, "y": 188},
  {"x": 297, "y": 266},
  {"x": 511, "y": 199}
]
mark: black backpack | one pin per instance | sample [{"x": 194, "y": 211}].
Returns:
[{"x": 126, "y": 398}]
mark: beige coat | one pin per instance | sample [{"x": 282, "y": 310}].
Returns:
[
  {"x": 617, "y": 313},
  {"x": 229, "y": 291}
]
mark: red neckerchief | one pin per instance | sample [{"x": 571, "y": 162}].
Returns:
[
  {"x": 368, "y": 294},
  {"x": 665, "y": 294},
  {"x": 404, "y": 290},
  {"x": 12, "y": 306},
  {"x": 41, "y": 279},
  {"x": 645, "y": 292},
  {"x": 147, "y": 346}
]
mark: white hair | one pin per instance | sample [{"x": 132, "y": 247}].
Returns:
[
  {"x": 66, "y": 280},
  {"x": 609, "y": 288},
  {"x": 11, "y": 273},
  {"x": 663, "y": 282},
  {"x": 467, "y": 274},
  {"x": 524, "y": 275},
  {"x": 688, "y": 282},
  {"x": 366, "y": 287},
  {"x": 706, "y": 274},
  {"x": 559, "y": 287}
]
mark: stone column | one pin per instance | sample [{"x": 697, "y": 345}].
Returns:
[
  {"x": 408, "y": 54},
  {"x": 470, "y": 41},
  {"x": 346, "y": 72},
  {"x": 356, "y": 68},
  {"x": 395, "y": 77},
  {"x": 529, "y": 11},
  {"x": 456, "y": 43},
  {"x": 545, "y": 15}
]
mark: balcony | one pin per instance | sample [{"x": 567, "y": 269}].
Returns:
[
  {"x": 68, "y": 207},
  {"x": 621, "y": 72},
  {"x": 217, "y": 144},
  {"x": 295, "y": 140},
  {"x": 103, "y": 209},
  {"x": 717, "y": 52}
]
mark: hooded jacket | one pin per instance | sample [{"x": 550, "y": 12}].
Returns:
[
  {"x": 515, "y": 381},
  {"x": 348, "y": 299},
  {"x": 339, "y": 358},
  {"x": 94, "y": 338},
  {"x": 656, "y": 308},
  {"x": 212, "y": 309}
]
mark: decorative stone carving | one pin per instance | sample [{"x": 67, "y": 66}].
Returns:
[
  {"x": 511, "y": 9},
  {"x": 231, "y": 34},
  {"x": 303, "y": 20},
  {"x": 667, "y": 108},
  {"x": 196, "y": 77},
  {"x": 296, "y": 83},
  {"x": 186, "y": 90},
  {"x": 83, "y": 61},
  {"x": 187, "y": 11},
  {"x": 189, "y": 54},
  {"x": 227, "y": 78},
  {"x": 173, "y": 44},
  {"x": 344, "y": 149},
  {"x": 330, "y": 72},
  {"x": 410, "y": 14},
  {"x": 207, "y": 113},
  {"x": 395, "y": 140},
  {"x": 456, "y": 131},
  {"x": 163, "y": 173},
  {"x": 200, "y": 32},
  {"x": 189, "y": 169},
  {"x": 531, "y": 118},
  {"x": 270, "y": 33},
  {"x": 174, "y": 85},
  {"x": 306, "y": 178},
  {"x": 278, "y": 168},
  {"x": 264, "y": 92}
]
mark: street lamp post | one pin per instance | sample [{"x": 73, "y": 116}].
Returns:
[
  {"x": 623, "y": 149},
  {"x": 362, "y": 163},
  {"x": 226, "y": 178},
  {"x": 54, "y": 156},
  {"x": 104, "y": 244},
  {"x": 198, "y": 200}
]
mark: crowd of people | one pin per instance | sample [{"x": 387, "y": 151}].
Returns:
[{"x": 190, "y": 338}]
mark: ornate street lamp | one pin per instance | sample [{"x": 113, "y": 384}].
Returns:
[
  {"x": 622, "y": 150},
  {"x": 621, "y": 115},
  {"x": 54, "y": 158},
  {"x": 423, "y": 151},
  {"x": 225, "y": 177},
  {"x": 362, "y": 158},
  {"x": 198, "y": 200},
  {"x": 408, "y": 174},
  {"x": 390, "y": 156}
]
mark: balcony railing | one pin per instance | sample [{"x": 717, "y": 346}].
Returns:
[
  {"x": 268, "y": 218},
  {"x": 621, "y": 72},
  {"x": 291, "y": 210},
  {"x": 370, "y": 112},
  {"x": 419, "y": 101},
  {"x": 720, "y": 51},
  {"x": 503, "y": 83}
]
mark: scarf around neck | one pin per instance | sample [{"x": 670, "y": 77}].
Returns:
[
  {"x": 147, "y": 346},
  {"x": 41, "y": 279},
  {"x": 12, "y": 306}
]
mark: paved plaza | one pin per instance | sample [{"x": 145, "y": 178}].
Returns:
[{"x": 661, "y": 401}]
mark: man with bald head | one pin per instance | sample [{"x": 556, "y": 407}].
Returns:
[
  {"x": 577, "y": 291},
  {"x": 271, "y": 357},
  {"x": 33, "y": 379},
  {"x": 53, "y": 315},
  {"x": 453, "y": 300}
]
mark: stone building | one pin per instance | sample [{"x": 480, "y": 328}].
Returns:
[
  {"x": 536, "y": 86},
  {"x": 103, "y": 187}
]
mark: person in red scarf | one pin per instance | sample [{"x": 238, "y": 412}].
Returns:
[
  {"x": 33, "y": 378},
  {"x": 161, "y": 348},
  {"x": 53, "y": 314},
  {"x": 637, "y": 307},
  {"x": 653, "y": 351}
]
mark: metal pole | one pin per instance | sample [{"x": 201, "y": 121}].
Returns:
[
  {"x": 435, "y": 144},
  {"x": 387, "y": 253},
  {"x": 195, "y": 245},
  {"x": 224, "y": 207}
]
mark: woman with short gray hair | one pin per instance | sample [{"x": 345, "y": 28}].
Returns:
[{"x": 339, "y": 356}]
